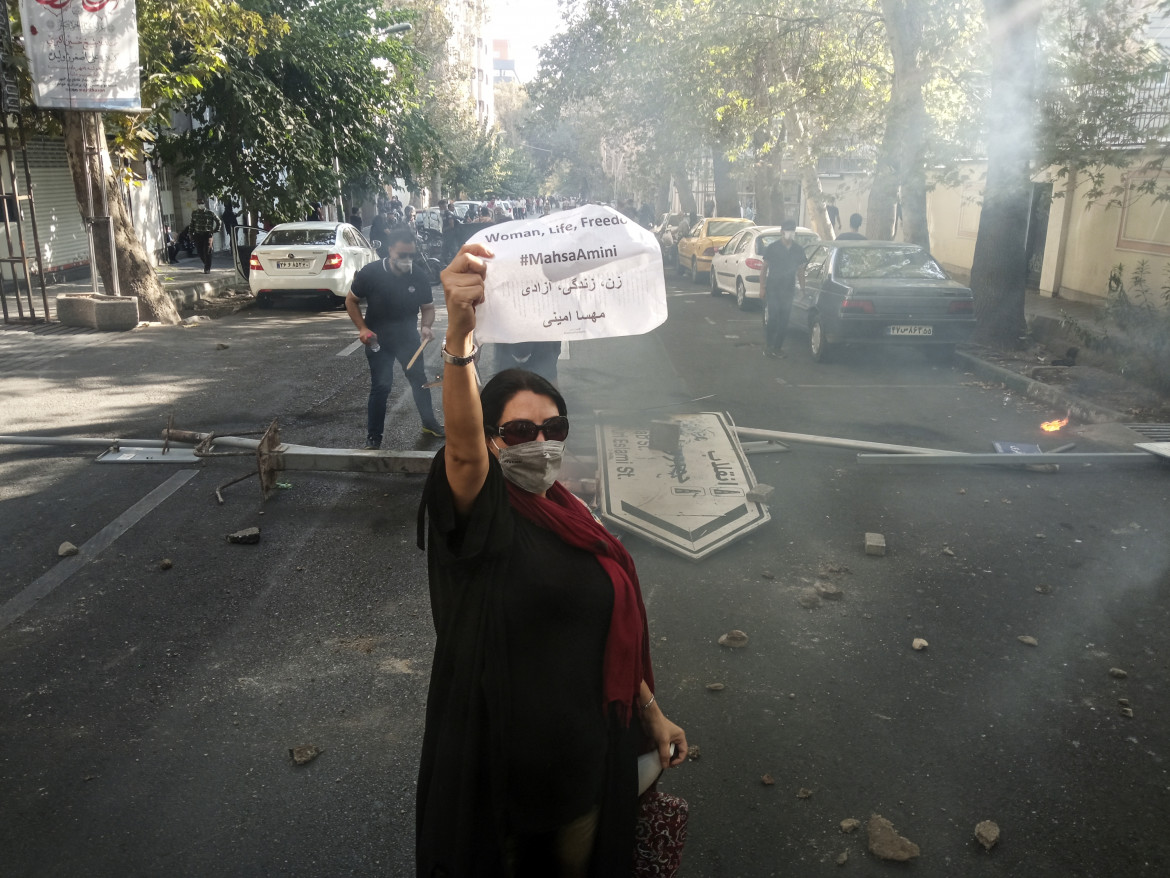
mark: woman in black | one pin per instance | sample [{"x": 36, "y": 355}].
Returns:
[{"x": 542, "y": 692}]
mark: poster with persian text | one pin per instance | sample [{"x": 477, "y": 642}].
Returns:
[
  {"x": 577, "y": 274},
  {"x": 83, "y": 54}
]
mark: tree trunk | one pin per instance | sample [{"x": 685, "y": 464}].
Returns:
[
  {"x": 814, "y": 195},
  {"x": 726, "y": 196},
  {"x": 901, "y": 163},
  {"x": 682, "y": 185},
  {"x": 136, "y": 275},
  {"x": 769, "y": 193},
  {"x": 999, "y": 269}
]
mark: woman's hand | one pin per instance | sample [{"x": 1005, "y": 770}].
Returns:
[
  {"x": 663, "y": 733},
  {"x": 463, "y": 288}
]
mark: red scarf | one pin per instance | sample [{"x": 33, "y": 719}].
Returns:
[{"x": 627, "y": 647}]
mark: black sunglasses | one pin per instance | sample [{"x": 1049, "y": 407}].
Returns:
[{"x": 517, "y": 432}]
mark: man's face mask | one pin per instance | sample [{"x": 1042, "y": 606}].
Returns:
[
  {"x": 787, "y": 235},
  {"x": 403, "y": 264}
]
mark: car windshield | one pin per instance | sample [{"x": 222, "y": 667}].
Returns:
[
  {"x": 897, "y": 262},
  {"x": 286, "y": 237},
  {"x": 726, "y": 227}
]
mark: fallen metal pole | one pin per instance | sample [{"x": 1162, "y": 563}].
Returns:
[
  {"x": 82, "y": 442},
  {"x": 1009, "y": 459},
  {"x": 833, "y": 442}
]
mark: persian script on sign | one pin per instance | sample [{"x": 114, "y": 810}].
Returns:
[{"x": 577, "y": 274}]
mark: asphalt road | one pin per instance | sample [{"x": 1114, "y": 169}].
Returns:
[{"x": 147, "y": 714}]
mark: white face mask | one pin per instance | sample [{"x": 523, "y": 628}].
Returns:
[
  {"x": 788, "y": 236},
  {"x": 532, "y": 466}
]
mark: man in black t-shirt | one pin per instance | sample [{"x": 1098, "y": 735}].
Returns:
[
  {"x": 396, "y": 290},
  {"x": 784, "y": 262},
  {"x": 854, "y": 233}
]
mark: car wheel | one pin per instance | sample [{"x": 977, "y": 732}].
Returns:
[
  {"x": 715, "y": 290},
  {"x": 817, "y": 346},
  {"x": 694, "y": 270},
  {"x": 741, "y": 298}
]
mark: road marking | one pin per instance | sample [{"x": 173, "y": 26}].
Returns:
[
  {"x": 709, "y": 320},
  {"x": 44, "y": 585},
  {"x": 349, "y": 349}
]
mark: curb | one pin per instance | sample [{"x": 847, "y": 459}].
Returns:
[
  {"x": 1084, "y": 410},
  {"x": 187, "y": 295}
]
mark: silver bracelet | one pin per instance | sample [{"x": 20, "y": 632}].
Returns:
[{"x": 648, "y": 703}]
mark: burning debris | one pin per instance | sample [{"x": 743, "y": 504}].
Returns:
[{"x": 1055, "y": 426}]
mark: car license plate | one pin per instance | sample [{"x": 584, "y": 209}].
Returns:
[
  {"x": 298, "y": 263},
  {"x": 911, "y": 330}
]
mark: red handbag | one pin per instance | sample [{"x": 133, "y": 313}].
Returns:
[{"x": 660, "y": 835}]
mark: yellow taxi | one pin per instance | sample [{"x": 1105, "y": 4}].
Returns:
[{"x": 697, "y": 247}]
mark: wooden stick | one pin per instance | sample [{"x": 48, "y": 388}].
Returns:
[{"x": 419, "y": 351}]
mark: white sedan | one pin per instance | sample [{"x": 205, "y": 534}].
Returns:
[
  {"x": 312, "y": 261},
  {"x": 735, "y": 267}
]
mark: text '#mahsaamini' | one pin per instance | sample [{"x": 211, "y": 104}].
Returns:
[{"x": 560, "y": 256}]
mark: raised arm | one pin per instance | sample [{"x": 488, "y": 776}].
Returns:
[{"x": 466, "y": 452}]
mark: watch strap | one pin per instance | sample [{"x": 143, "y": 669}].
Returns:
[{"x": 460, "y": 361}]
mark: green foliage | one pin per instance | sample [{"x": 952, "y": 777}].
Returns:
[
  {"x": 325, "y": 83},
  {"x": 1142, "y": 347}
]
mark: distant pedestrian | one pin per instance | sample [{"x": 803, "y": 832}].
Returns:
[
  {"x": 203, "y": 226},
  {"x": 229, "y": 221},
  {"x": 784, "y": 262},
  {"x": 316, "y": 213},
  {"x": 854, "y": 233},
  {"x": 379, "y": 230},
  {"x": 834, "y": 214},
  {"x": 355, "y": 217},
  {"x": 449, "y": 222},
  {"x": 397, "y": 292},
  {"x": 646, "y": 215}
]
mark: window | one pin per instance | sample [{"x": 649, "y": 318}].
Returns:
[
  {"x": 310, "y": 237},
  {"x": 897, "y": 262}
]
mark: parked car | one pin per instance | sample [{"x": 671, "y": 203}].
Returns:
[
  {"x": 308, "y": 261},
  {"x": 467, "y": 210},
  {"x": 736, "y": 265},
  {"x": 871, "y": 292},
  {"x": 699, "y": 245}
]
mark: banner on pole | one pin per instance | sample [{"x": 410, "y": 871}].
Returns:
[
  {"x": 82, "y": 54},
  {"x": 577, "y": 274}
]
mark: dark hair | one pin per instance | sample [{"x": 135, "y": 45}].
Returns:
[
  {"x": 855, "y": 220},
  {"x": 485, "y": 211},
  {"x": 398, "y": 236},
  {"x": 499, "y": 391}
]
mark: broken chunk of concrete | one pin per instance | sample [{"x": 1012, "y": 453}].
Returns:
[
  {"x": 875, "y": 544},
  {"x": 842, "y": 858},
  {"x": 809, "y": 599},
  {"x": 1118, "y": 673},
  {"x": 304, "y": 755},
  {"x": 735, "y": 639},
  {"x": 827, "y": 590},
  {"x": 166, "y": 564},
  {"x": 66, "y": 549},
  {"x": 987, "y": 833},
  {"x": 761, "y": 494},
  {"x": 886, "y": 844},
  {"x": 767, "y": 780},
  {"x": 804, "y": 793},
  {"x": 919, "y": 644},
  {"x": 714, "y": 687},
  {"x": 1028, "y": 640},
  {"x": 247, "y": 536},
  {"x": 850, "y": 824}
]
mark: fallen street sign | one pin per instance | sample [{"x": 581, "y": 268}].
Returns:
[{"x": 680, "y": 481}]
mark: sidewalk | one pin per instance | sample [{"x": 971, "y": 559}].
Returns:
[{"x": 186, "y": 283}]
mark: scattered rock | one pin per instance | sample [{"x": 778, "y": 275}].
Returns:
[
  {"x": 809, "y": 598},
  {"x": 842, "y": 858},
  {"x": 760, "y": 494},
  {"x": 714, "y": 687},
  {"x": 850, "y": 824},
  {"x": 1028, "y": 640},
  {"x": 195, "y": 320},
  {"x": 886, "y": 844},
  {"x": 1118, "y": 673},
  {"x": 1044, "y": 588},
  {"x": 66, "y": 549},
  {"x": 304, "y": 755},
  {"x": 693, "y": 752},
  {"x": 804, "y": 793},
  {"x": 768, "y": 574},
  {"x": 767, "y": 780},
  {"x": 220, "y": 346},
  {"x": 987, "y": 833},
  {"x": 1127, "y": 712},
  {"x": 948, "y": 551},
  {"x": 1124, "y": 702},
  {"x": 735, "y": 639},
  {"x": 827, "y": 591},
  {"x": 875, "y": 544},
  {"x": 919, "y": 644},
  {"x": 247, "y": 536},
  {"x": 166, "y": 564}
]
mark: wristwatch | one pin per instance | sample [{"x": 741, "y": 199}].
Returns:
[{"x": 460, "y": 361}]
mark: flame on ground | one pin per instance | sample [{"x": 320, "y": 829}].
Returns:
[{"x": 1053, "y": 426}]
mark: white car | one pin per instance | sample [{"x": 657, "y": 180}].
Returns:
[
  {"x": 735, "y": 267},
  {"x": 308, "y": 261}
]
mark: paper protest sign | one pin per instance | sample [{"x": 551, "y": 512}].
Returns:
[{"x": 576, "y": 274}]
